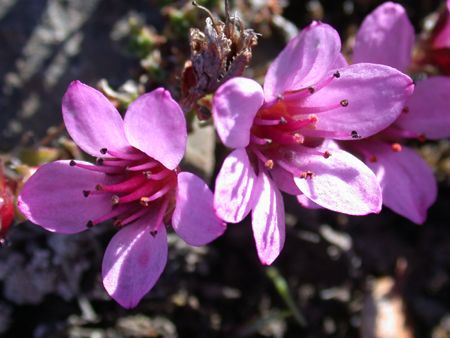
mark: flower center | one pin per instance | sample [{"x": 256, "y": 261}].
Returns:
[
  {"x": 286, "y": 125},
  {"x": 140, "y": 183}
]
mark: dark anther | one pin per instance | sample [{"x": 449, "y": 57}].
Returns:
[
  {"x": 373, "y": 159},
  {"x": 72, "y": 163},
  {"x": 355, "y": 134},
  {"x": 99, "y": 161},
  {"x": 89, "y": 224},
  {"x": 153, "y": 233},
  {"x": 103, "y": 151},
  {"x": 86, "y": 193},
  {"x": 405, "y": 110},
  {"x": 326, "y": 154},
  {"x": 344, "y": 103},
  {"x": 98, "y": 187},
  {"x": 311, "y": 90},
  {"x": 421, "y": 138},
  {"x": 337, "y": 75},
  {"x": 307, "y": 174}
]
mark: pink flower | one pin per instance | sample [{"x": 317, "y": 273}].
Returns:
[
  {"x": 309, "y": 95},
  {"x": 409, "y": 187},
  {"x": 135, "y": 182}
]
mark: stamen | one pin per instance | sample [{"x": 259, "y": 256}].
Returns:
[
  {"x": 269, "y": 164},
  {"x": 125, "y": 156},
  {"x": 355, "y": 134},
  {"x": 164, "y": 190},
  {"x": 344, "y": 103},
  {"x": 138, "y": 193},
  {"x": 160, "y": 175},
  {"x": 263, "y": 122},
  {"x": 326, "y": 154},
  {"x": 307, "y": 174},
  {"x": 259, "y": 154},
  {"x": 116, "y": 211},
  {"x": 132, "y": 218},
  {"x": 86, "y": 193},
  {"x": 373, "y": 159},
  {"x": 261, "y": 141},
  {"x": 337, "y": 75},
  {"x": 396, "y": 147},
  {"x": 89, "y": 224},
  {"x": 115, "y": 163},
  {"x": 128, "y": 185},
  {"x": 144, "y": 166},
  {"x": 106, "y": 170}
]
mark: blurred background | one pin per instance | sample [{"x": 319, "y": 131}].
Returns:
[{"x": 338, "y": 276}]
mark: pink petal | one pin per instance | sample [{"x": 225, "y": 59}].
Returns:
[
  {"x": 386, "y": 36},
  {"x": 284, "y": 180},
  {"x": 53, "y": 197},
  {"x": 91, "y": 120},
  {"x": 194, "y": 219},
  {"x": 373, "y": 96},
  {"x": 408, "y": 184},
  {"x": 307, "y": 203},
  {"x": 268, "y": 220},
  {"x": 235, "y": 105},
  {"x": 234, "y": 185},
  {"x": 429, "y": 109},
  {"x": 134, "y": 261},
  {"x": 304, "y": 61},
  {"x": 155, "y": 124},
  {"x": 340, "y": 183}
]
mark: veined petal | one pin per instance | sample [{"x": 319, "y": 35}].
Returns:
[
  {"x": 340, "y": 182},
  {"x": 155, "y": 124},
  {"x": 386, "y": 36},
  {"x": 428, "y": 108},
  {"x": 233, "y": 198},
  {"x": 304, "y": 61},
  {"x": 268, "y": 221},
  {"x": 408, "y": 184},
  {"x": 235, "y": 105},
  {"x": 284, "y": 180},
  {"x": 194, "y": 219},
  {"x": 366, "y": 98},
  {"x": 134, "y": 261},
  {"x": 53, "y": 197},
  {"x": 91, "y": 120}
]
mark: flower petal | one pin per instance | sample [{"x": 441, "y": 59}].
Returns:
[
  {"x": 268, "y": 221},
  {"x": 340, "y": 183},
  {"x": 91, "y": 120},
  {"x": 365, "y": 98},
  {"x": 53, "y": 197},
  {"x": 194, "y": 219},
  {"x": 155, "y": 124},
  {"x": 307, "y": 203},
  {"x": 284, "y": 180},
  {"x": 234, "y": 185},
  {"x": 386, "y": 36},
  {"x": 408, "y": 184},
  {"x": 429, "y": 109},
  {"x": 304, "y": 61},
  {"x": 235, "y": 105},
  {"x": 134, "y": 261}
]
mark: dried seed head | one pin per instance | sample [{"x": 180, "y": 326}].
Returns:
[{"x": 220, "y": 51}]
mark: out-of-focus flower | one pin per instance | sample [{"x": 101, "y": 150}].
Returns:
[
  {"x": 409, "y": 187},
  {"x": 309, "y": 95},
  {"x": 6, "y": 205},
  {"x": 135, "y": 182}
]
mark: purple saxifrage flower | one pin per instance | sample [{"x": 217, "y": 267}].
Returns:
[
  {"x": 409, "y": 187},
  {"x": 135, "y": 182},
  {"x": 278, "y": 133}
]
